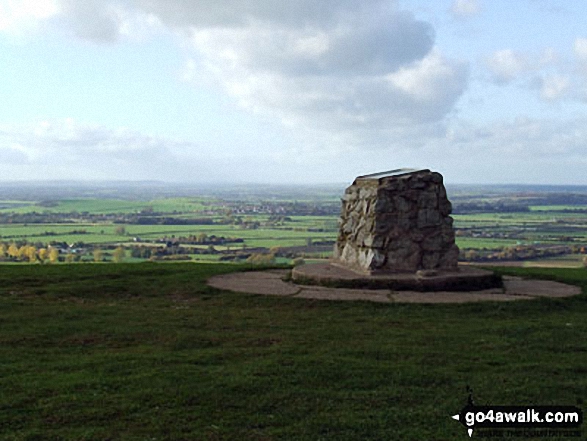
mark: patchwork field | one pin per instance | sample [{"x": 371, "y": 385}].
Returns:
[{"x": 288, "y": 223}]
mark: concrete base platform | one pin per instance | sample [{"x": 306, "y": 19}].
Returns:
[
  {"x": 274, "y": 283},
  {"x": 330, "y": 275}
]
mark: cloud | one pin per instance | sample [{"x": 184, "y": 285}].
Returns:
[
  {"x": 333, "y": 68},
  {"x": 238, "y": 13},
  {"x": 580, "y": 48},
  {"x": 90, "y": 151},
  {"x": 553, "y": 87},
  {"x": 507, "y": 65},
  {"x": 545, "y": 138},
  {"x": 554, "y": 79},
  {"x": 339, "y": 77},
  {"x": 373, "y": 48},
  {"x": 520, "y": 150},
  {"x": 92, "y": 19},
  {"x": 465, "y": 8},
  {"x": 18, "y": 16}
]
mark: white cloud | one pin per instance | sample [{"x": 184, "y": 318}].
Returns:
[
  {"x": 554, "y": 87},
  {"x": 553, "y": 78},
  {"x": 515, "y": 139},
  {"x": 89, "y": 151},
  {"x": 521, "y": 150},
  {"x": 465, "y": 8},
  {"x": 548, "y": 57},
  {"x": 506, "y": 65},
  {"x": 372, "y": 47},
  {"x": 336, "y": 79},
  {"x": 341, "y": 75},
  {"x": 18, "y": 16},
  {"x": 238, "y": 13},
  {"x": 340, "y": 68},
  {"x": 580, "y": 48},
  {"x": 432, "y": 79},
  {"x": 107, "y": 21}
]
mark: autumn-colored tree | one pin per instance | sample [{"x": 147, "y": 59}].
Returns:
[
  {"x": 3, "y": 250},
  {"x": 120, "y": 230},
  {"x": 22, "y": 252},
  {"x": 98, "y": 255},
  {"x": 53, "y": 255},
  {"x": 70, "y": 258},
  {"x": 119, "y": 254},
  {"x": 470, "y": 255},
  {"x": 43, "y": 254},
  {"x": 261, "y": 259},
  {"x": 13, "y": 250},
  {"x": 31, "y": 253}
]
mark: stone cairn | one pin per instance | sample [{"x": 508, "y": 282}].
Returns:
[{"x": 396, "y": 222}]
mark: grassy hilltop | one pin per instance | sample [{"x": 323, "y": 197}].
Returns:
[{"x": 148, "y": 351}]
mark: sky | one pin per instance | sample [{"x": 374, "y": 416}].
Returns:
[{"x": 304, "y": 91}]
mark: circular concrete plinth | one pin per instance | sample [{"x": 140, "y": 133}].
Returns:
[
  {"x": 463, "y": 279},
  {"x": 273, "y": 283}
]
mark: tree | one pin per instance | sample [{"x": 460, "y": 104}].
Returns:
[
  {"x": 3, "y": 250},
  {"x": 98, "y": 255},
  {"x": 261, "y": 259},
  {"x": 43, "y": 254},
  {"x": 13, "y": 251},
  {"x": 31, "y": 253},
  {"x": 121, "y": 230},
  {"x": 53, "y": 255},
  {"x": 22, "y": 252},
  {"x": 585, "y": 261},
  {"x": 119, "y": 254},
  {"x": 470, "y": 255}
]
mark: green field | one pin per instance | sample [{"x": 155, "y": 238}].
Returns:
[
  {"x": 148, "y": 351},
  {"x": 557, "y": 207},
  {"x": 107, "y": 206},
  {"x": 106, "y": 233},
  {"x": 102, "y": 218}
]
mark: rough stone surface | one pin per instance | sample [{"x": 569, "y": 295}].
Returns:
[{"x": 396, "y": 224}]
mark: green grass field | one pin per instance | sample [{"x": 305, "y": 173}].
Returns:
[
  {"x": 148, "y": 351},
  {"x": 545, "y": 224},
  {"x": 107, "y": 206}
]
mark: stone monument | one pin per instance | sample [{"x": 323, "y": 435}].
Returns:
[
  {"x": 396, "y": 221},
  {"x": 395, "y": 232}
]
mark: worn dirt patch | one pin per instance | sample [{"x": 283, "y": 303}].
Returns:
[{"x": 271, "y": 283}]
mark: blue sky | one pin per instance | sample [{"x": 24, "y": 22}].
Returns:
[{"x": 483, "y": 91}]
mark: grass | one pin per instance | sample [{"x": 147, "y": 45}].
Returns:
[
  {"x": 105, "y": 206},
  {"x": 106, "y": 233},
  {"x": 148, "y": 351},
  {"x": 480, "y": 243},
  {"x": 557, "y": 207}
]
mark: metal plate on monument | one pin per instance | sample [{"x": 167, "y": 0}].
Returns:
[{"x": 391, "y": 173}]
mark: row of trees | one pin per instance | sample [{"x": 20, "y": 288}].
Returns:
[
  {"x": 519, "y": 252},
  {"x": 30, "y": 253}
]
